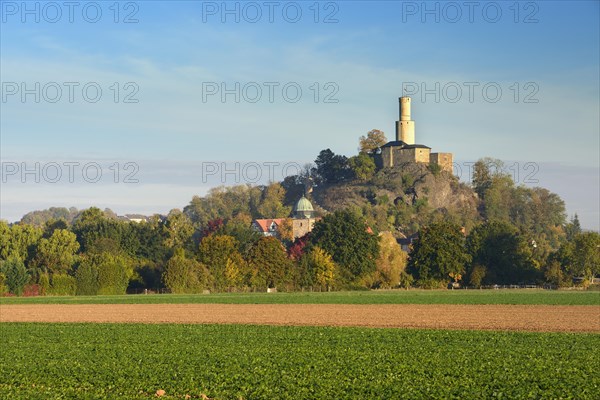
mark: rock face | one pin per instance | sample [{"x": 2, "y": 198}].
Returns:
[{"x": 409, "y": 183}]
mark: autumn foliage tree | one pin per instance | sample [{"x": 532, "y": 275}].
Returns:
[
  {"x": 321, "y": 267},
  {"x": 219, "y": 253},
  {"x": 374, "y": 139},
  {"x": 269, "y": 263},
  {"x": 390, "y": 265}
]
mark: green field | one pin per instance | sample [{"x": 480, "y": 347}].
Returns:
[
  {"x": 130, "y": 361},
  {"x": 504, "y": 296}
]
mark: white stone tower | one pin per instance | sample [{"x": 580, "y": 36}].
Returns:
[{"x": 405, "y": 127}]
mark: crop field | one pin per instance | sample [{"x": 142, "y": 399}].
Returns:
[
  {"x": 504, "y": 296},
  {"x": 486, "y": 344},
  {"x": 134, "y": 361}
]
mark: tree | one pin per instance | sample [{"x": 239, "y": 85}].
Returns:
[
  {"x": 239, "y": 228},
  {"x": 103, "y": 273},
  {"x": 391, "y": 263},
  {"x": 271, "y": 205},
  {"x": 57, "y": 253},
  {"x": 19, "y": 241},
  {"x": 321, "y": 267},
  {"x": 484, "y": 172},
  {"x": 269, "y": 263},
  {"x": 346, "y": 237},
  {"x": 184, "y": 275},
  {"x": 374, "y": 139},
  {"x": 94, "y": 226},
  {"x": 573, "y": 228},
  {"x": 219, "y": 253},
  {"x": 505, "y": 255},
  {"x": 438, "y": 252},
  {"x": 332, "y": 168},
  {"x": 582, "y": 259},
  {"x": 16, "y": 275},
  {"x": 86, "y": 278},
  {"x": 362, "y": 166},
  {"x": 178, "y": 229}
]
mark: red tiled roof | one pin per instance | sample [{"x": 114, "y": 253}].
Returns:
[{"x": 264, "y": 224}]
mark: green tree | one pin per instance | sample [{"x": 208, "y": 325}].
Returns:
[
  {"x": 332, "y": 168},
  {"x": 57, "y": 253},
  {"x": 184, "y": 275},
  {"x": 485, "y": 170},
  {"x": 271, "y": 205},
  {"x": 346, "y": 237},
  {"x": 16, "y": 275},
  {"x": 86, "y": 277},
  {"x": 503, "y": 252},
  {"x": 240, "y": 229},
  {"x": 103, "y": 273},
  {"x": 94, "y": 226},
  {"x": 582, "y": 256},
  {"x": 438, "y": 252},
  {"x": 573, "y": 228},
  {"x": 178, "y": 229},
  {"x": 269, "y": 263},
  {"x": 374, "y": 139},
  {"x": 219, "y": 253},
  {"x": 19, "y": 241},
  {"x": 362, "y": 166}
]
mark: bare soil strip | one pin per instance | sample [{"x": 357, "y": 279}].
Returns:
[{"x": 534, "y": 318}]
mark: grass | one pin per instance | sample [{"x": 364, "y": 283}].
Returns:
[
  {"x": 504, "y": 296},
  {"x": 130, "y": 361}
]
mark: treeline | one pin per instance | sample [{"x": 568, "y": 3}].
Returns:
[
  {"x": 517, "y": 235},
  {"x": 102, "y": 255}
]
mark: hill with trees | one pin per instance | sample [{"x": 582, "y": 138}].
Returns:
[{"x": 489, "y": 232}]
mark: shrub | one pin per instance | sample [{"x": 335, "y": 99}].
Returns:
[
  {"x": 44, "y": 283},
  {"x": 62, "y": 285},
  {"x": 3, "y": 287}
]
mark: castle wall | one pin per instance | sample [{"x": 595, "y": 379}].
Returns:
[
  {"x": 391, "y": 156},
  {"x": 444, "y": 160},
  {"x": 411, "y": 155}
]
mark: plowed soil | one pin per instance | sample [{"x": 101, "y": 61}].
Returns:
[{"x": 536, "y": 318}]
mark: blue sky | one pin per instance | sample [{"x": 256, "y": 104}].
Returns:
[{"x": 547, "y": 53}]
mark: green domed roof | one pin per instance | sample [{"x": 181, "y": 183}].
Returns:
[
  {"x": 303, "y": 208},
  {"x": 304, "y": 205}
]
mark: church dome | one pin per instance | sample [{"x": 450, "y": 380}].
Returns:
[{"x": 303, "y": 208}]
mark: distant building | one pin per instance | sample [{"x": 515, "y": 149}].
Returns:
[
  {"x": 137, "y": 218},
  {"x": 404, "y": 149},
  {"x": 302, "y": 221}
]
